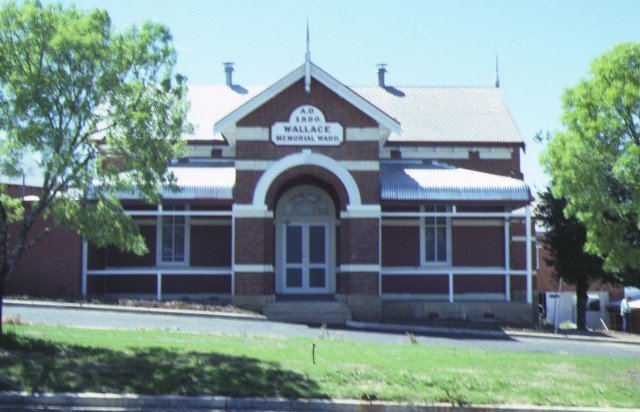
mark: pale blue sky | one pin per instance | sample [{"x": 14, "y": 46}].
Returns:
[{"x": 543, "y": 46}]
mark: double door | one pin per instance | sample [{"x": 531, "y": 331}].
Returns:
[{"x": 305, "y": 258}]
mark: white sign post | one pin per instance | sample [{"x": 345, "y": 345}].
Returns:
[{"x": 307, "y": 127}]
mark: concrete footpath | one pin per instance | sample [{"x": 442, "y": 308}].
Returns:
[
  {"x": 594, "y": 336},
  {"x": 125, "y": 403},
  {"x": 599, "y": 336}
]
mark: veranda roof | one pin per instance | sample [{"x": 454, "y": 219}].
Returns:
[
  {"x": 399, "y": 181},
  {"x": 198, "y": 181},
  {"x": 416, "y": 181}
]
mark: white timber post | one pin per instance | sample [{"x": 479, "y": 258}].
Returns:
[
  {"x": 83, "y": 281},
  {"x": 528, "y": 254},
  {"x": 233, "y": 255},
  {"x": 507, "y": 259},
  {"x": 159, "y": 286},
  {"x": 450, "y": 287}
]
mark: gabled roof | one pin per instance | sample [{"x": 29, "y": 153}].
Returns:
[
  {"x": 228, "y": 122},
  {"x": 446, "y": 114},
  {"x": 419, "y": 115},
  {"x": 405, "y": 180}
]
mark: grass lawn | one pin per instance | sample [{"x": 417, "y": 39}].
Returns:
[{"x": 61, "y": 359}]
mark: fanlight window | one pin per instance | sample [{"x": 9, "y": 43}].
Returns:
[{"x": 306, "y": 204}]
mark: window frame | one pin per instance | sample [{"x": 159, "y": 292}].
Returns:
[
  {"x": 423, "y": 235},
  {"x": 160, "y": 236}
]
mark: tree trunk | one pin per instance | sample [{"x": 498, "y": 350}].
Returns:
[
  {"x": 1, "y": 303},
  {"x": 582, "y": 285}
]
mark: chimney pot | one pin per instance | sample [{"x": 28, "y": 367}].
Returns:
[
  {"x": 381, "y": 71},
  {"x": 228, "y": 70}
]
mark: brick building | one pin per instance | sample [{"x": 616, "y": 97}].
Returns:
[
  {"x": 311, "y": 200},
  {"x": 557, "y": 300}
]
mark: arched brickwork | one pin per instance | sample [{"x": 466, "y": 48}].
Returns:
[
  {"x": 308, "y": 174},
  {"x": 326, "y": 167}
]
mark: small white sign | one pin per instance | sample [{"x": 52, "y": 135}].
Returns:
[{"x": 307, "y": 127}]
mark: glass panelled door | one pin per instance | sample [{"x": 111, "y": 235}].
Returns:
[
  {"x": 305, "y": 242},
  {"x": 305, "y": 260}
]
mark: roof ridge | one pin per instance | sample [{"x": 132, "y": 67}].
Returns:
[
  {"x": 372, "y": 86},
  {"x": 426, "y": 87}
]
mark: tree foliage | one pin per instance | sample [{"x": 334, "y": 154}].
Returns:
[
  {"x": 103, "y": 111},
  {"x": 594, "y": 161},
  {"x": 564, "y": 240}
]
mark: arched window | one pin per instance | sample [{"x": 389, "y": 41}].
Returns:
[{"x": 305, "y": 203}]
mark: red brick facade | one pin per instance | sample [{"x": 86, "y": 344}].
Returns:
[
  {"x": 360, "y": 241},
  {"x": 53, "y": 265},
  {"x": 335, "y": 108},
  {"x": 358, "y": 284},
  {"x": 51, "y": 268},
  {"x": 504, "y": 167}
]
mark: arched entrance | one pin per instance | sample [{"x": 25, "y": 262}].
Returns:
[{"x": 305, "y": 242}]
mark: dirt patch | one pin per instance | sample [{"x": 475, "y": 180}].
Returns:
[{"x": 185, "y": 304}]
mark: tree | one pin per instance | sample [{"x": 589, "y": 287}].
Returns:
[
  {"x": 564, "y": 239},
  {"x": 103, "y": 112},
  {"x": 595, "y": 161}
]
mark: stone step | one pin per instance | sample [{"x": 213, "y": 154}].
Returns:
[{"x": 308, "y": 312}]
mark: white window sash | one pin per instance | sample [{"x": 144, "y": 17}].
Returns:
[
  {"x": 160, "y": 240},
  {"x": 434, "y": 227}
]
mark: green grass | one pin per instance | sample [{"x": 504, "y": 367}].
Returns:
[{"x": 60, "y": 359}]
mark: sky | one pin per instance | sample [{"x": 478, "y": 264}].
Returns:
[{"x": 542, "y": 47}]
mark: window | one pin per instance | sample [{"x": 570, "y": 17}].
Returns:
[
  {"x": 306, "y": 204},
  {"x": 173, "y": 237},
  {"x": 436, "y": 236}
]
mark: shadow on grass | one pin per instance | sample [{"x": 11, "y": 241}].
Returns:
[{"x": 34, "y": 365}]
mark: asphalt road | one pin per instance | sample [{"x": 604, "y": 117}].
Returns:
[{"x": 249, "y": 327}]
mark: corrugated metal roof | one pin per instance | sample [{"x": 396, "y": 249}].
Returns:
[
  {"x": 202, "y": 181},
  {"x": 398, "y": 181},
  {"x": 425, "y": 114},
  {"x": 445, "y": 114},
  {"x": 417, "y": 181},
  {"x": 214, "y": 182},
  {"x": 210, "y": 103}
]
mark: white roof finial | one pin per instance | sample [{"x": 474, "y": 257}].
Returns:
[
  {"x": 307, "y": 64},
  {"x": 497, "y": 73}
]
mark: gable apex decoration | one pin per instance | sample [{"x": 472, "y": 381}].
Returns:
[
  {"x": 307, "y": 65},
  {"x": 227, "y": 124}
]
